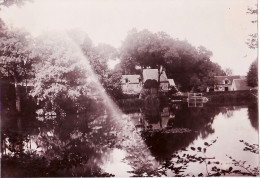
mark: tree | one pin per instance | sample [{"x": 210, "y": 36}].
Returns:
[
  {"x": 71, "y": 69},
  {"x": 252, "y": 42},
  {"x": 98, "y": 57},
  {"x": 252, "y": 75},
  {"x": 228, "y": 71},
  {"x": 62, "y": 73},
  {"x": 189, "y": 66},
  {"x": 144, "y": 49},
  {"x": 17, "y": 59},
  {"x": 8, "y": 3}
]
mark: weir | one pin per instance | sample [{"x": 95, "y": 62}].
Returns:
[{"x": 196, "y": 100}]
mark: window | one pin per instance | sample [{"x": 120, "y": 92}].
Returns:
[{"x": 226, "y": 81}]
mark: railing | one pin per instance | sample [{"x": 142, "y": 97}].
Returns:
[{"x": 196, "y": 100}]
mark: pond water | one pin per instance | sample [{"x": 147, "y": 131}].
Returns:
[{"x": 179, "y": 141}]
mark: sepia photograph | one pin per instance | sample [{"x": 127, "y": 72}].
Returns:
[{"x": 129, "y": 88}]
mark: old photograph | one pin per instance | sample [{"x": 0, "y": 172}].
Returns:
[{"x": 129, "y": 88}]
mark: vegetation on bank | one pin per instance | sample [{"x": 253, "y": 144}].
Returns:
[
  {"x": 232, "y": 96},
  {"x": 69, "y": 67},
  {"x": 252, "y": 75},
  {"x": 189, "y": 66}
]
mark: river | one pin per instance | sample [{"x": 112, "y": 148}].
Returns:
[{"x": 181, "y": 141}]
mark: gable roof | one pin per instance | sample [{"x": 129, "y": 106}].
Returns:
[
  {"x": 131, "y": 78},
  {"x": 153, "y": 75},
  {"x": 241, "y": 84},
  {"x": 171, "y": 82},
  {"x": 220, "y": 79}
]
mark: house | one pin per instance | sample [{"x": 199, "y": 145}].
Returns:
[
  {"x": 224, "y": 83},
  {"x": 152, "y": 75},
  {"x": 171, "y": 83},
  {"x": 239, "y": 84},
  {"x": 131, "y": 84}
]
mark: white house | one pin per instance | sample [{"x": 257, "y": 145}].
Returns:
[
  {"x": 239, "y": 84},
  {"x": 171, "y": 83},
  {"x": 152, "y": 74},
  {"x": 131, "y": 84},
  {"x": 223, "y": 83}
]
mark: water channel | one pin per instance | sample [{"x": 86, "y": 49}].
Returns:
[{"x": 180, "y": 141}]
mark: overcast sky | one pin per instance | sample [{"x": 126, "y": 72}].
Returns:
[{"x": 222, "y": 26}]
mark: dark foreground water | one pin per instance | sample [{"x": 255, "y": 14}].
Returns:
[{"x": 179, "y": 141}]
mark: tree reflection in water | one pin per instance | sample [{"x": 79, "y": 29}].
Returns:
[
  {"x": 80, "y": 145},
  {"x": 164, "y": 145},
  {"x": 253, "y": 115},
  {"x": 75, "y": 145},
  {"x": 198, "y": 120},
  {"x": 69, "y": 146}
]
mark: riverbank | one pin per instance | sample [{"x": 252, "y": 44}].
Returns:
[
  {"x": 228, "y": 98},
  {"x": 238, "y": 97}
]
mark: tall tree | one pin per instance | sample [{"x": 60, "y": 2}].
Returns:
[
  {"x": 189, "y": 66},
  {"x": 17, "y": 58},
  {"x": 142, "y": 48},
  {"x": 62, "y": 71},
  {"x": 252, "y": 42},
  {"x": 98, "y": 57},
  {"x": 228, "y": 71},
  {"x": 252, "y": 75}
]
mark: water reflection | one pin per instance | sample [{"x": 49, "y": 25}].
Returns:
[
  {"x": 201, "y": 123},
  {"x": 75, "y": 145},
  {"x": 253, "y": 115},
  {"x": 98, "y": 144}
]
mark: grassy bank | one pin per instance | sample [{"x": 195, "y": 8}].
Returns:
[{"x": 232, "y": 97}]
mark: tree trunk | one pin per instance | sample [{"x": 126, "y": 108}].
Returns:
[
  {"x": 159, "y": 76},
  {"x": 17, "y": 97}
]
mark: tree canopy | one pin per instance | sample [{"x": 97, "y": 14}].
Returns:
[
  {"x": 252, "y": 41},
  {"x": 189, "y": 66},
  {"x": 16, "y": 58},
  {"x": 252, "y": 75}
]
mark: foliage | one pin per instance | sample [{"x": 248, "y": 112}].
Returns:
[
  {"x": 69, "y": 151},
  {"x": 252, "y": 42},
  {"x": 228, "y": 71},
  {"x": 180, "y": 161},
  {"x": 112, "y": 84},
  {"x": 61, "y": 72},
  {"x": 143, "y": 48},
  {"x": 16, "y": 54},
  {"x": 254, "y": 148},
  {"x": 190, "y": 67},
  {"x": 8, "y": 3},
  {"x": 252, "y": 75},
  {"x": 98, "y": 57},
  {"x": 16, "y": 58}
]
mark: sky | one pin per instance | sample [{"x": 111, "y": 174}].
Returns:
[{"x": 222, "y": 26}]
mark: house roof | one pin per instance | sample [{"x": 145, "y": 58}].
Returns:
[
  {"x": 131, "y": 78},
  {"x": 171, "y": 82},
  {"x": 153, "y": 75},
  {"x": 220, "y": 79},
  {"x": 241, "y": 84}
]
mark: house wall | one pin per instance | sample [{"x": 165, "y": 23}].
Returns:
[
  {"x": 132, "y": 88},
  {"x": 222, "y": 87},
  {"x": 233, "y": 87},
  {"x": 164, "y": 86}
]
